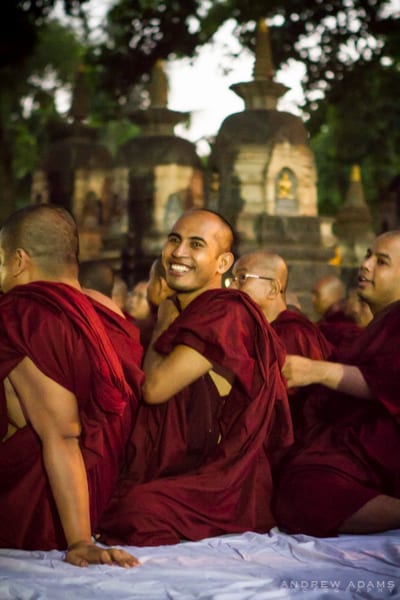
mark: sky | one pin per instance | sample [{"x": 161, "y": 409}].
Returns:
[{"x": 201, "y": 86}]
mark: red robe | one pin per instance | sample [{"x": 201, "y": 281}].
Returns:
[
  {"x": 338, "y": 328},
  {"x": 300, "y": 336},
  {"x": 351, "y": 446},
  {"x": 203, "y": 462},
  {"x": 70, "y": 339}
]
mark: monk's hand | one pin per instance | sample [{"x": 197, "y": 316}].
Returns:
[
  {"x": 82, "y": 554},
  {"x": 298, "y": 371},
  {"x": 167, "y": 313}
]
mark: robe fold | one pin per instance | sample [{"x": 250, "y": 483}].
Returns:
[
  {"x": 300, "y": 336},
  {"x": 202, "y": 464},
  {"x": 338, "y": 328},
  {"x": 351, "y": 446},
  {"x": 90, "y": 351}
]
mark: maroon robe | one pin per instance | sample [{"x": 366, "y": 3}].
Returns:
[
  {"x": 300, "y": 336},
  {"x": 70, "y": 339},
  {"x": 351, "y": 446},
  {"x": 338, "y": 328},
  {"x": 203, "y": 462}
]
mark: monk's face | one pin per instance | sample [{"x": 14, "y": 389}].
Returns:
[
  {"x": 322, "y": 297},
  {"x": 379, "y": 274},
  {"x": 259, "y": 289},
  {"x": 193, "y": 257},
  {"x": 137, "y": 304}
]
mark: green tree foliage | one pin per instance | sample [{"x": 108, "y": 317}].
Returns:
[
  {"x": 27, "y": 106},
  {"x": 326, "y": 35},
  {"x": 20, "y": 26},
  {"x": 350, "y": 48},
  {"x": 140, "y": 32},
  {"x": 358, "y": 122}
]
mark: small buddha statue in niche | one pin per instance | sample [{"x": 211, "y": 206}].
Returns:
[{"x": 285, "y": 187}]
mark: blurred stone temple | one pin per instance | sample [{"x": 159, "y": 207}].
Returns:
[
  {"x": 78, "y": 173},
  {"x": 263, "y": 176},
  {"x": 164, "y": 177}
]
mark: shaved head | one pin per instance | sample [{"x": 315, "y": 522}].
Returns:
[
  {"x": 263, "y": 276},
  {"x": 197, "y": 253},
  {"x": 393, "y": 234},
  {"x": 328, "y": 290},
  {"x": 47, "y": 233},
  {"x": 267, "y": 264},
  {"x": 224, "y": 233},
  {"x": 379, "y": 274}
]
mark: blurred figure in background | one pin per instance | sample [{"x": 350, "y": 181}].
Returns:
[
  {"x": 157, "y": 286},
  {"x": 358, "y": 309},
  {"x": 328, "y": 298},
  {"x": 138, "y": 308},
  {"x": 97, "y": 275}
]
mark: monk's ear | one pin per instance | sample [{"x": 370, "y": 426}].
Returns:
[
  {"x": 275, "y": 288},
  {"x": 21, "y": 261},
  {"x": 225, "y": 261}
]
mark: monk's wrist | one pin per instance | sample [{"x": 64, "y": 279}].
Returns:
[
  {"x": 78, "y": 544},
  {"x": 329, "y": 374}
]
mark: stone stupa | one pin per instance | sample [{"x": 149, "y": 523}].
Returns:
[
  {"x": 164, "y": 176},
  {"x": 77, "y": 173},
  {"x": 353, "y": 226},
  {"x": 264, "y": 177}
]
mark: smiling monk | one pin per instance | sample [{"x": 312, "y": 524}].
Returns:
[
  {"x": 345, "y": 475},
  {"x": 218, "y": 413}
]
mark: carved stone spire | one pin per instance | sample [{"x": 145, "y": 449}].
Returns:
[
  {"x": 80, "y": 97},
  {"x": 157, "y": 119},
  {"x": 158, "y": 87},
  {"x": 355, "y": 192},
  {"x": 353, "y": 224},
  {"x": 263, "y": 65},
  {"x": 263, "y": 92}
]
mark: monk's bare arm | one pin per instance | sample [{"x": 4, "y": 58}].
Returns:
[
  {"x": 300, "y": 371},
  {"x": 52, "y": 411},
  {"x": 167, "y": 375}
]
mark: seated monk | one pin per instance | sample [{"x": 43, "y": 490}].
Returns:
[
  {"x": 344, "y": 476},
  {"x": 97, "y": 275},
  {"x": 218, "y": 414},
  {"x": 329, "y": 301},
  {"x": 157, "y": 286},
  {"x": 264, "y": 277},
  {"x": 67, "y": 408}
]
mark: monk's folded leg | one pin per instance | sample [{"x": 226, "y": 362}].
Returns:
[
  {"x": 143, "y": 516},
  {"x": 317, "y": 500}
]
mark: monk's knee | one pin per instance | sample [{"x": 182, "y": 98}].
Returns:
[
  {"x": 316, "y": 501},
  {"x": 140, "y": 518}
]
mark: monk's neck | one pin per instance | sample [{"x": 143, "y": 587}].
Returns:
[
  {"x": 272, "y": 311},
  {"x": 185, "y": 298},
  {"x": 71, "y": 281}
]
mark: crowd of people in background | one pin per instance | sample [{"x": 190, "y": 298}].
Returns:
[{"x": 186, "y": 407}]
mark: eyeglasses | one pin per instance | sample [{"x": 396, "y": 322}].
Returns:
[{"x": 243, "y": 277}]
